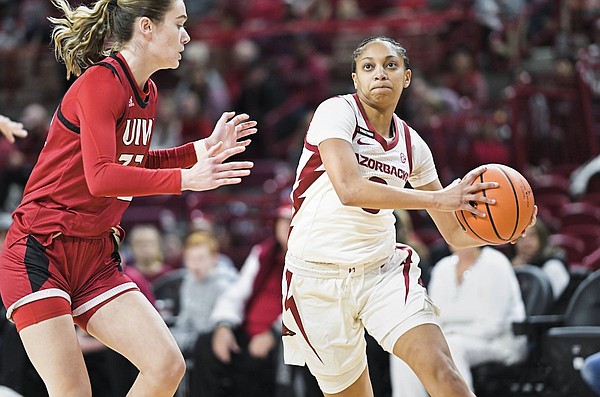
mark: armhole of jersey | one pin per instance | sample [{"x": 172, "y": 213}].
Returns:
[
  {"x": 114, "y": 70},
  {"x": 72, "y": 126},
  {"x": 353, "y": 111},
  {"x": 408, "y": 145},
  {"x": 65, "y": 122}
]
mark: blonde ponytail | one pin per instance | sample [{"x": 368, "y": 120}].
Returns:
[
  {"x": 86, "y": 35},
  {"x": 80, "y": 36}
]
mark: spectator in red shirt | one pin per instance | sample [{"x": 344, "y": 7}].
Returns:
[
  {"x": 240, "y": 357},
  {"x": 464, "y": 78}
]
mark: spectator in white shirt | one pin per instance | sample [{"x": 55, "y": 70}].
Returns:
[{"x": 479, "y": 298}]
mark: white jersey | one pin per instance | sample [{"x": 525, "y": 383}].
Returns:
[{"x": 323, "y": 230}]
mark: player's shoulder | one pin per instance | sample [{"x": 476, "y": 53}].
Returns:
[
  {"x": 99, "y": 80},
  {"x": 336, "y": 104}
]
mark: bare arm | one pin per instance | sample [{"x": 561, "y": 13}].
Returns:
[
  {"x": 353, "y": 190},
  {"x": 447, "y": 223}
]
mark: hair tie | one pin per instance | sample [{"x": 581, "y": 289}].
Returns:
[{"x": 113, "y": 4}]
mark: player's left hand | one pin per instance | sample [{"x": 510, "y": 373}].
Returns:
[
  {"x": 531, "y": 223},
  {"x": 260, "y": 345},
  {"x": 230, "y": 129},
  {"x": 11, "y": 129}
]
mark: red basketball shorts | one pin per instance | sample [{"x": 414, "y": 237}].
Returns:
[{"x": 85, "y": 272}]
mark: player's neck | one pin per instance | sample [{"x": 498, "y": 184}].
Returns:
[{"x": 139, "y": 68}]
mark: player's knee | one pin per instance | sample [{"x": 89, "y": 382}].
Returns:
[
  {"x": 168, "y": 369},
  {"x": 71, "y": 388},
  {"x": 447, "y": 374}
]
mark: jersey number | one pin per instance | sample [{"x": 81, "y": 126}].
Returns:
[
  {"x": 126, "y": 159},
  {"x": 378, "y": 180}
]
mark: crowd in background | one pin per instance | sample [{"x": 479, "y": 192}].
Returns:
[{"x": 276, "y": 60}]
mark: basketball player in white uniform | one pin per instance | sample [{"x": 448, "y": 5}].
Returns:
[{"x": 344, "y": 271}]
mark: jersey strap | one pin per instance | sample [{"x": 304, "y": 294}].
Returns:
[
  {"x": 70, "y": 126},
  {"x": 74, "y": 127},
  {"x": 408, "y": 145}
]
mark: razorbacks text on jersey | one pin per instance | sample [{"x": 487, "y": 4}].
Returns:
[{"x": 323, "y": 229}]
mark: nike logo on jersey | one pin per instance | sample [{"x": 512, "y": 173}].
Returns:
[{"x": 360, "y": 141}]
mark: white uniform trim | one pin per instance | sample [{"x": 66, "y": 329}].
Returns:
[
  {"x": 78, "y": 311},
  {"x": 36, "y": 296}
]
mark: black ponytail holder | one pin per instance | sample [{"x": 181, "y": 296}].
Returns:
[{"x": 112, "y": 5}]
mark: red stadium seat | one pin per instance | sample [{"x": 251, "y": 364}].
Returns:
[
  {"x": 573, "y": 246},
  {"x": 579, "y": 214},
  {"x": 592, "y": 198},
  {"x": 550, "y": 183},
  {"x": 592, "y": 261},
  {"x": 589, "y": 234}
]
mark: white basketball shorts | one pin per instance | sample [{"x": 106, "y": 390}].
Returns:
[{"x": 326, "y": 309}]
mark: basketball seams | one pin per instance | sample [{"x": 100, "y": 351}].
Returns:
[
  {"x": 508, "y": 215},
  {"x": 516, "y": 197},
  {"x": 489, "y": 212},
  {"x": 465, "y": 224},
  {"x": 473, "y": 231}
]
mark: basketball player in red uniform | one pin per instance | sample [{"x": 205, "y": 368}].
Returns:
[{"x": 60, "y": 262}]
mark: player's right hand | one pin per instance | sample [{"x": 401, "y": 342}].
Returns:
[
  {"x": 461, "y": 194},
  {"x": 212, "y": 171}
]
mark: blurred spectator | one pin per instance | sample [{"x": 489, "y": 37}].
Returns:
[
  {"x": 167, "y": 125},
  {"x": 464, "y": 78},
  {"x": 197, "y": 9},
  {"x": 306, "y": 77},
  {"x": 489, "y": 145},
  {"x": 241, "y": 356},
  {"x": 22, "y": 156},
  {"x": 256, "y": 89},
  {"x": 591, "y": 372},
  {"x": 194, "y": 122},
  {"x": 305, "y": 72},
  {"x": 145, "y": 250},
  {"x": 533, "y": 249},
  {"x": 427, "y": 101},
  {"x": 479, "y": 298},
  {"x": 206, "y": 278},
  {"x": 172, "y": 248},
  {"x": 199, "y": 75}
]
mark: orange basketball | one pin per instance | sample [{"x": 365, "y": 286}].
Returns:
[{"x": 508, "y": 218}]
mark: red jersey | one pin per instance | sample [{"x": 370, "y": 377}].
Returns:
[{"x": 97, "y": 157}]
